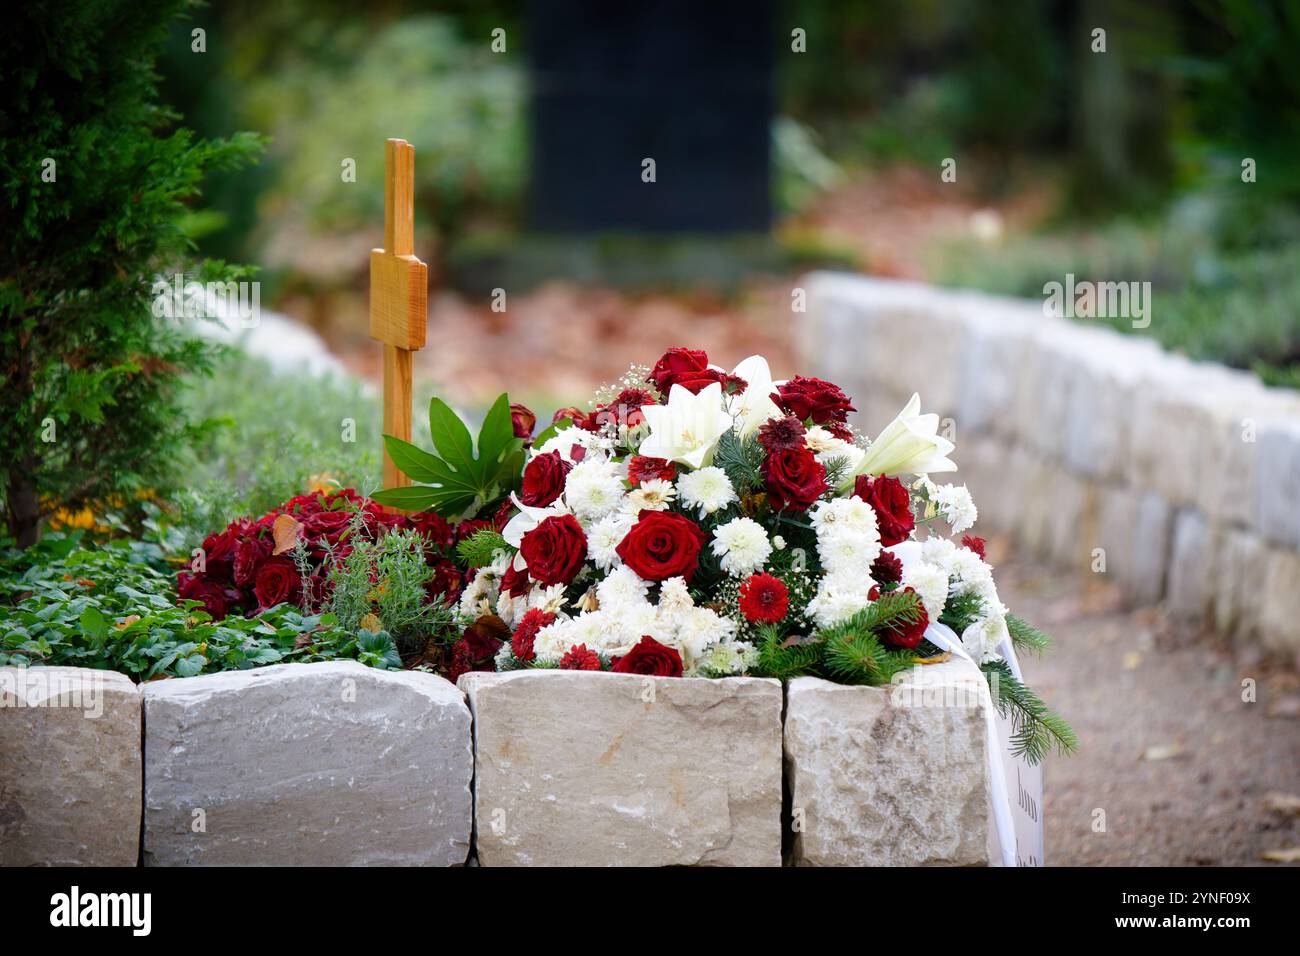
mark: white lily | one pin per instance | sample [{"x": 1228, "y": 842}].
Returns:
[
  {"x": 687, "y": 429},
  {"x": 909, "y": 445},
  {"x": 754, "y": 407}
]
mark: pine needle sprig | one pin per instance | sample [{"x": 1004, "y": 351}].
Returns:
[
  {"x": 1035, "y": 729},
  {"x": 742, "y": 460},
  {"x": 784, "y": 661},
  {"x": 1026, "y": 637},
  {"x": 480, "y": 548},
  {"x": 854, "y": 652},
  {"x": 961, "y": 611}
]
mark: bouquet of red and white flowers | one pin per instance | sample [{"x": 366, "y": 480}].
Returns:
[{"x": 700, "y": 522}]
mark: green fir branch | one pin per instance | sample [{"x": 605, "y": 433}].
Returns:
[
  {"x": 742, "y": 460},
  {"x": 784, "y": 661},
  {"x": 1035, "y": 729},
  {"x": 961, "y": 611},
  {"x": 1026, "y": 637},
  {"x": 480, "y": 549}
]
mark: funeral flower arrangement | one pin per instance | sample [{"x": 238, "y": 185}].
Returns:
[{"x": 699, "y": 522}]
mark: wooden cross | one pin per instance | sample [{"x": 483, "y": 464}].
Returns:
[{"x": 398, "y": 296}]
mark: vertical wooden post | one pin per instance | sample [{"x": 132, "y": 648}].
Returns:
[{"x": 398, "y": 296}]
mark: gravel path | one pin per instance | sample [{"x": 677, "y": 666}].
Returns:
[{"x": 1185, "y": 771}]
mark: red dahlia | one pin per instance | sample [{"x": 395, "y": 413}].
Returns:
[
  {"x": 764, "y": 598},
  {"x": 973, "y": 543},
  {"x": 782, "y": 434},
  {"x": 521, "y": 644},
  {"x": 641, "y": 469},
  {"x": 578, "y": 658},
  {"x": 886, "y": 569}
]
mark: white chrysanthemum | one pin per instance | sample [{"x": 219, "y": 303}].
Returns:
[
  {"x": 844, "y": 514},
  {"x": 957, "y": 507},
  {"x": 708, "y": 489},
  {"x": 930, "y": 582},
  {"x": 820, "y": 440},
  {"x": 549, "y": 599},
  {"x": 622, "y": 588},
  {"x": 674, "y": 597},
  {"x": 847, "y": 551},
  {"x": 969, "y": 573},
  {"x": 981, "y": 639},
  {"x": 624, "y": 626},
  {"x": 554, "y": 639},
  {"x": 727, "y": 659},
  {"x": 938, "y": 551},
  {"x": 778, "y": 542},
  {"x": 742, "y": 545},
  {"x": 653, "y": 495},
  {"x": 699, "y": 627},
  {"x": 593, "y": 489},
  {"x": 605, "y": 536},
  {"x": 839, "y": 596},
  {"x": 480, "y": 597}
]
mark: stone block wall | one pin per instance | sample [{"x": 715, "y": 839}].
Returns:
[{"x": 1075, "y": 438}]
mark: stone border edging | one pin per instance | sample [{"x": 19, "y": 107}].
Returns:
[{"x": 1078, "y": 437}]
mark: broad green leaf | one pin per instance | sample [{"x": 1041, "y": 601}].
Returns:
[
  {"x": 408, "y": 499},
  {"x": 450, "y": 436},
  {"x": 93, "y": 624},
  {"x": 414, "y": 462}
]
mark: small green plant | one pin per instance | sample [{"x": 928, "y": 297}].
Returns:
[
  {"x": 61, "y": 603},
  {"x": 384, "y": 584}
]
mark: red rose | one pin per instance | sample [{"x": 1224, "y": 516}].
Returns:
[
  {"x": 218, "y": 599},
  {"x": 578, "y": 658},
  {"x": 662, "y": 545},
  {"x": 651, "y": 658},
  {"x": 641, "y": 469},
  {"x": 554, "y": 550},
  {"x": 521, "y": 644},
  {"x": 677, "y": 366},
  {"x": 764, "y": 597},
  {"x": 277, "y": 582},
  {"x": 892, "y": 504},
  {"x": 523, "y": 421},
  {"x": 219, "y": 554},
  {"x": 900, "y": 634},
  {"x": 973, "y": 543},
  {"x": 432, "y": 526},
  {"x": 249, "y": 555},
  {"x": 813, "y": 398},
  {"x": 544, "y": 479},
  {"x": 794, "y": 479},
  {"x": 329, "y": 525}
]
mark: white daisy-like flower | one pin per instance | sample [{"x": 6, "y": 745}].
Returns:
[
  {"x": 957, "y": 507},
  {"x": 930, "y": 582},
  {"x": 605, "y": 536},
  {"x": 839, "y": 596},
  {"x": 480, "y": 597},
  {"x": 622, "y": 588},
  {"x": 554, "y": 639},
  {"x": 742, "y": 545},
  {"x": 727, "y": 659},
  {"x": 593, "y": 489},
  {"x": 708, "y": 489},
  {"x": 657, "y": 494}
]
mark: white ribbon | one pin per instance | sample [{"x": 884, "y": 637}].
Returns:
[{"x": 945, "y": 638}]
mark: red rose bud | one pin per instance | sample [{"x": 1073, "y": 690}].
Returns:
[
  {"x": 578, "y": 658},
  {"x": 555, "y": 549},
  {"x": 651, "y": 658},
  {"x": 794, "y": 479},
  {"x": 523, "y": 420},
  {"x": 892, "y": 504},
  {"x": 812, "y": 398},
  {"x": 661, "y": 545},
  {"x": 975, "y": 544},
  {"x": 544, "y": 479}
]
